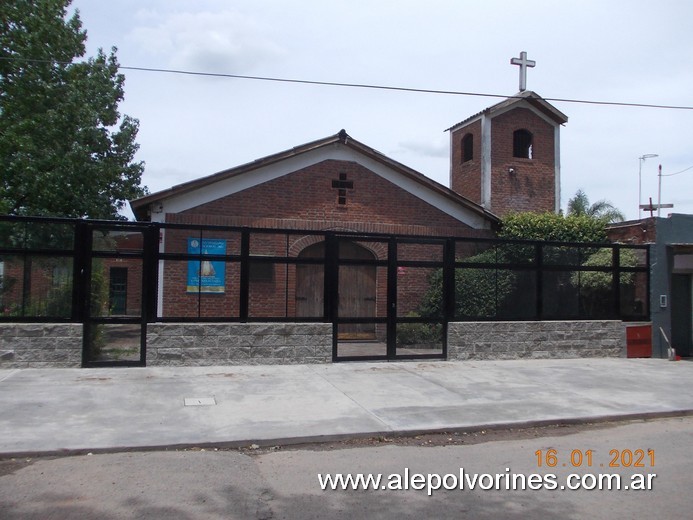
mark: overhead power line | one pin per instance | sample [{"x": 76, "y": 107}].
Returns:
[
  {"x": 365, "y": 85},
  {"x": 401, "y": 89},
  {"x": 672, "y": 174}
]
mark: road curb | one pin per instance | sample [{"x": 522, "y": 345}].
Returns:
[{"x": 320, "y": 439}]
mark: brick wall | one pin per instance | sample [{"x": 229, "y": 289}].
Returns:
[
  {"x": 45, "y": 288},
  {"x": 633, "y": 232},
  {"x": 305, "y": 199},
  {"x": 466, "y": 176},
  {"x": 532, "y": 185}
]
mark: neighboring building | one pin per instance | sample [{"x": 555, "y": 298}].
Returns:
[{"x": 671, "y": 277}]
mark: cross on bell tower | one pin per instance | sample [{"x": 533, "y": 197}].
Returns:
[
  {"x": 523, "y": 62},
  {"x": 506, "y": 158}
]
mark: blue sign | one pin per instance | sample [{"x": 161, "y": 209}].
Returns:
[{"x": 206, "y": 276}]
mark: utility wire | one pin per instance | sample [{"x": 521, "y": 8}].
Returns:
[
  {"x": 363, "y": 85},
  {"x": 400, "y": 89},
  {"x": 672, "y": 174}
]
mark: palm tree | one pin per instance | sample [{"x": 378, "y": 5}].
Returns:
[{"x": 602, "y": 209}]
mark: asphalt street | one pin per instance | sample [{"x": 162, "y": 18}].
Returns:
[{"x": 284, "y": 484}]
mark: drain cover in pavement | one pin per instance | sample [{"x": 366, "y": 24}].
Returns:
[{"x": 200, "y": 401}]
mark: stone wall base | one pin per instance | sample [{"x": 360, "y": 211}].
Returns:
[
  {"x": 202, "y": 344},
  {"x": 54, "y": 345},
  {"x": 536, "y": 339},
  {"x": 197, "y": 344}
]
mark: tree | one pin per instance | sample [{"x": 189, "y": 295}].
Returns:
[
  {"x": 65, "y": 150},
  {"x": 579, "y": 205}
]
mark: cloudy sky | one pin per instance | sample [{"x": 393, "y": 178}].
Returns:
[{"x": 617, "y": 51}]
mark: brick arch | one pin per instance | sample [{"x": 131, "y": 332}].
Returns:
[
  {"x": 379, "y": 249},
  {"x": 304, "y": 242}
]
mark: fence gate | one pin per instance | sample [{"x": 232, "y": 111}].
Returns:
[
  {"x": 375, "y": 297},
  {"x": 119, "y": 292}
]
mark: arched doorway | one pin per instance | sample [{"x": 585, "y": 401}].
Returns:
[{"x": 357, "y": 289}]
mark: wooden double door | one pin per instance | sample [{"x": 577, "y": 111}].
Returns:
[{"x": 357, "y": 288}]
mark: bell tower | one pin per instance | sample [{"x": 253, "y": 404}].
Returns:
[{"x": 507, "y": 157}]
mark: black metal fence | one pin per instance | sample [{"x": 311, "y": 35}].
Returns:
[{"x": 72, "y": 270}]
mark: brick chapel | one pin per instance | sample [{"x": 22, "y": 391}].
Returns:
[{"x": 503, "y": 159}]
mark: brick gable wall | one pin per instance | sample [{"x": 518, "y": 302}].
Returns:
[{"x": 307, "y": 197}]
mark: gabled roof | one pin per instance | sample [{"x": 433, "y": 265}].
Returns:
[
  {"x": 534, "y": 99},
  {"x": 341, "y": 140}
]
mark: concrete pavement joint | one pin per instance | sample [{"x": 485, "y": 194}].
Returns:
[
  {"x": 368, "y": 412},
  {"x": 9, "y": 374}
]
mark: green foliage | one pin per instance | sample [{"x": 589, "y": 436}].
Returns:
[
  {"x": 64, "y": 148},
  {"x": 479, "y": 292},
  {"x": 596, "y": 291},
  {"x": 422, "y": 335},
  {"x": 553, "y": 227},
  {"x": 580, "y": 205},
  {"x": 482, "y": 292},
  {"x": 495, "y": 292},
  {"x": 99, "y": 307},
  {"x": 591, "y": 282}
]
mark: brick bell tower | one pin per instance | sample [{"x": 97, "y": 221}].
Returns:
[{"x": 507, "y": 157}]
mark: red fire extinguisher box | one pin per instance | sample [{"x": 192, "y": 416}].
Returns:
[{"x": 639, "y": 341}]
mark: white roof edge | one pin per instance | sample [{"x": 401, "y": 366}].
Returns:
[{"x": 235, "y": 184}]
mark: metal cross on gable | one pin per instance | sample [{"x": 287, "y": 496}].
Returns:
[{"x": 523, "y": 62}]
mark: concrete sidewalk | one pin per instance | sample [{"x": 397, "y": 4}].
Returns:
[{"x": 48, "y": 410}]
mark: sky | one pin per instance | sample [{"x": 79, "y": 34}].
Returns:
[{"x": 616, "y": 51}]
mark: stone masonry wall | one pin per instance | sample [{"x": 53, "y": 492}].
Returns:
[
  {"x": 535, "y": 339},
  {"x": 55, "y": 345},
  {"x": 196, "y": 344}
]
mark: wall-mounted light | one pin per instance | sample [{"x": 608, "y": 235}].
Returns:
[{"x": 511, "y": 170}]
